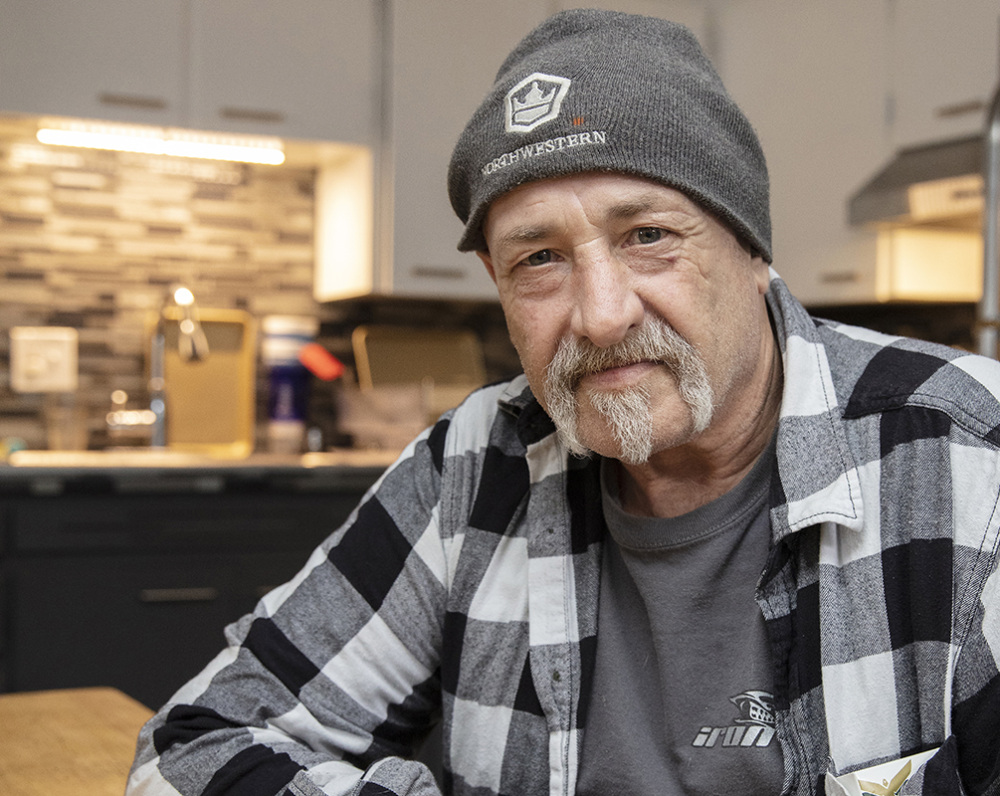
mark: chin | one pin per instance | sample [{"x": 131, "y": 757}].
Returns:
[{"x": 634, "y": 437}]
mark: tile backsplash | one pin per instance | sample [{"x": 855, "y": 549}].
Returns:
[{"x": 93, "y": 240}]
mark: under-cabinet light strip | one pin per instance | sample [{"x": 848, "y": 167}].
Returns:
[{"x": 157, "y": 141}]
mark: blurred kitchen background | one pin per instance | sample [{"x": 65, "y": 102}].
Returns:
[
  {"x": 324, "y": 236},
  {"x": 364, "y": 99}
]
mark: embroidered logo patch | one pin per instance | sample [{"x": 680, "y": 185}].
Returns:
[
  {"x": 887, "y": 787},
  {"x": 883, "y": 779},
  {"x": 534, "y": 101}
]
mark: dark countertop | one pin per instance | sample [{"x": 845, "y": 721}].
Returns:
[{"x": 56, "y": 472}]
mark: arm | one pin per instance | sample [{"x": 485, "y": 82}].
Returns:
[
  {"x": 334, "y": 677},
  {"x": 976, "y": 706},
  {"x": 969, "y": 759}
]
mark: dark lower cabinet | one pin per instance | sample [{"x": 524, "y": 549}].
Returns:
[{"x": 133, "y": 591}]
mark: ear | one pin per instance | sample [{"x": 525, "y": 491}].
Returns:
[
  {"x": 485, "y": 257},
  {"x": 761, "y": 274}
]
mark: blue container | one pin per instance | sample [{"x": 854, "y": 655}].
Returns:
[
  {"x": 288, "y": 392},
  {"x": 288, "y": 380}
]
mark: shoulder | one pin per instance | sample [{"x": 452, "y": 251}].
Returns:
[
  {"x": 485, "y": 427},
  {"x": 486, "y": 414},
  {"x": 504, "y": 414},
  {"x": 875, "y": 373}
]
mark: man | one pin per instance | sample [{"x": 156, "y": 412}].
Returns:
[{"x": 705, "y": 544}]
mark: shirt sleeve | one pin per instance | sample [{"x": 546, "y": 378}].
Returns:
[
  {"x": 335, "y": 678},
  {"x": 976, "y": 695}
]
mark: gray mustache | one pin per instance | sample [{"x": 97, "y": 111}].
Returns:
[{"x": 654, "y": 341}]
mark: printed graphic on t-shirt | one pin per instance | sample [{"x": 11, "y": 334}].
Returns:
[{"x": 753, "y": 726}]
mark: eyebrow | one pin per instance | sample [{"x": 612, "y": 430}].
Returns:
[
  {"x": 525, "y": 234},
  {"x": 630, "y": 208},
  {"x": 520, "y": 235},
  {"x": 620, "y": 211}
]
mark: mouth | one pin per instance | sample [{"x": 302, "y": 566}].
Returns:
[{"x": 617, "y": 377}]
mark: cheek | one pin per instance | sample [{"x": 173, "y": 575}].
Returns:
[
  {"x": 740, "y": 327},
  {"x": 536, "y": 340}
]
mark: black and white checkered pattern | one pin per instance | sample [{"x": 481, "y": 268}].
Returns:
[
  {"x": 886, "y": 511},
  {"x": 465, "y": 585}
]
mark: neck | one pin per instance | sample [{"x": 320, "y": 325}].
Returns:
[{"x": 681, "y": 479}]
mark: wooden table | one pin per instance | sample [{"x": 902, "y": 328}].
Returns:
[{"x": 78, "y": 741}]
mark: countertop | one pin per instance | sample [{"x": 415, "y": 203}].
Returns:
[
  {"x": 130, "y": 470},
  {"x": 78, "y": 741}
]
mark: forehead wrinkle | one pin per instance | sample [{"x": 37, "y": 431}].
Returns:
[{"x": 634, "y": 206}]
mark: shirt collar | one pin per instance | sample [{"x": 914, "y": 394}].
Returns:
[{"x": 818, "y": 479}]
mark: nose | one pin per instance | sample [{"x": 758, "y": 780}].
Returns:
[{"x": 606, "y": 305}]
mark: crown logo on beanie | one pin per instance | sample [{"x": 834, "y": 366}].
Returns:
[
  {"x": 534, "y": 104},
  {"x": 534, "y": 101}
]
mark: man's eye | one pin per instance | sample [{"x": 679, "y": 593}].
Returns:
[
  {"x": 648, "y": 234},
  {"x": 538, "y": 258}
]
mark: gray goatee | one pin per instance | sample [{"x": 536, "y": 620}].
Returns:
[{"x": 628, "y": 412}]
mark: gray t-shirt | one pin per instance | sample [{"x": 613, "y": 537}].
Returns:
[{"x": 681, "y": 700}]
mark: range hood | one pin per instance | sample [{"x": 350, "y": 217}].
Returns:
[
  {"x": 940, "y": 183},
  {"x": 954, "y": 183}
]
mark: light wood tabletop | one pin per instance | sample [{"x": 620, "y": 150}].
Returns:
[{"x": 76, "y": 741}]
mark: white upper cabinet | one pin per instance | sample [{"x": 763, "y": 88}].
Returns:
[
  {"x": 694, "y": 14},
  {"x": 444, "y": 58},
  {"x": 834, "y": 90},
  {"x": 296, "y": 68},
  {"x": 106, "y": 59},
  {"x": 945, "y": 67}
]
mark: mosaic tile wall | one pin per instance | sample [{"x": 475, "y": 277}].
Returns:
[{"x": 93, "y": 240}]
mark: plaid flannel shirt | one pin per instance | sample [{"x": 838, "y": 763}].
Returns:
[{"x": 465, "y": 586}]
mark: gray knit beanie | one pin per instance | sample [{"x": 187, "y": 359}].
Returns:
[{"x": 604, "y": 91}]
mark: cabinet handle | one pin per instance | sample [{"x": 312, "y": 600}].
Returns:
[
  {"x": 180, "y": 595},
  {"x": 438, "y": 272},
  {"x": 839, "y": 277},
  {"x": 960, "y": 109},
  {"x": 132, "y": 101},
  {"x": 252, "y": 115}
]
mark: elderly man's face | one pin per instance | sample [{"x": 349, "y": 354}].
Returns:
[{"x": 639, "y": 318}]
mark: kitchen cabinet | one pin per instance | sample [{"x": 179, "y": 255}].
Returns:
[
  {"x": 300, "y": 69},
  {"x": 834, "y": 91},
  {"x": 945, "y": 68},
  {"x": 120, "y": 60},
  {"x": 133, "y": 590},
  {"x": 694, "y": 14}
]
